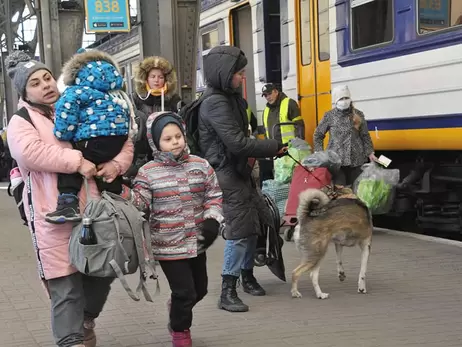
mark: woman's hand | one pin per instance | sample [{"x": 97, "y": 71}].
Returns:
[
  {"x": 372, "y": 157},
  {"x": 109, "y": 171},
  {"x": 87, "y": 169}
]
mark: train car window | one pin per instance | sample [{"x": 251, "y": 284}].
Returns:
[
  {"x": 210, "y": 40},
  {"x": 269, "y": 41},
  {"x": 285, "y": 58},
  {"x": 305, "y": 31},
  {"x": 260, "y": 31},
  {"x": 435, "y": 15},
  {"x": 323, "y": 30},
  {"x": 210, "y": 35},
  {"x": 371, "y": 22}
]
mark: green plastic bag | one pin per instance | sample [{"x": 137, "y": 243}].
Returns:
[
  {"x": 284, "y": 167},
  {"x": 375, "y": 187}
]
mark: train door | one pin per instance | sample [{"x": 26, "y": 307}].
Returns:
[
  {"x": 242, "y": 37},
  {"x": 313, "y": 60}
]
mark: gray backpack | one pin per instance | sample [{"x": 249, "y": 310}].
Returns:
[{"x": 123, "y": 243}]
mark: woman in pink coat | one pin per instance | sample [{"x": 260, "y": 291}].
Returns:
[{"x": 76, "y": 300}]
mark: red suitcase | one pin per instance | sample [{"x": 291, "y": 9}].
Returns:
[{"x": 302, "y": 180}]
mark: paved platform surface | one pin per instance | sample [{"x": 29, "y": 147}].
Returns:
[{"x": 414, "y": 299}]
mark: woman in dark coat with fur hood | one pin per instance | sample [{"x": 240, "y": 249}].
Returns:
[{"x": 154, "y": 76}]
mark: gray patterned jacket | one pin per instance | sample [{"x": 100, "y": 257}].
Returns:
[{"x": 352, "y": 145}]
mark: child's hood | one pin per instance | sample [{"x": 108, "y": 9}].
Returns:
[
  {"x": 155, "y": 151},
  {"x": 94, "y": 69}
]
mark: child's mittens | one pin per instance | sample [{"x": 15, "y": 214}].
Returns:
[{"x": 209, "y": 230}]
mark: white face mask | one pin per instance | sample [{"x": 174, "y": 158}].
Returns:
[{"x": 343, "y": 104}]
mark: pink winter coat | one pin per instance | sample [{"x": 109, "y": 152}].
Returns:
[{"x": 39, "y": 153}]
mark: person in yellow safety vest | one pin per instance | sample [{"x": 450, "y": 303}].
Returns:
[
  {"x": 281, "y": 109},
  {"x": 253, "y": 123}
]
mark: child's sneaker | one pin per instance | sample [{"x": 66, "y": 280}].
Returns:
[
  {"x": 67, "y": 210},
  {"x": 181, "y": 339}
]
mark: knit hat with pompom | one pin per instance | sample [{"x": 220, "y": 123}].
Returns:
[{"x": 20, "y": 67}]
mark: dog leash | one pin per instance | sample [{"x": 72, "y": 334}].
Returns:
[
  {"x": 304, "y": 168},
  {"x": 330, "y": 187}
]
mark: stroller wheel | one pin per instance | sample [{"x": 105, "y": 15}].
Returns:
[
  {"x": 222, "y": 231},
  {"x": 260, "y": 257},
  {"x": 288, "y": 233}
]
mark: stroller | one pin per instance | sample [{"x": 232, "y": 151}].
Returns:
[{"x": 269, "y": 244}]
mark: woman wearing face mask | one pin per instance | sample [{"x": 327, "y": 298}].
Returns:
[
  {"x": 76, "y": 299},
  {"x": 348, "y": 136}
]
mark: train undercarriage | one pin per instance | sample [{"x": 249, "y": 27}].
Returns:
[{"x": 428, "y": 198}]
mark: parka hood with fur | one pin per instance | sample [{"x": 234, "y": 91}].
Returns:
[
  {"x": 74, "y": 65},
  {"x": 155, "y": 62},
  {"x": 91, "y": 83}
]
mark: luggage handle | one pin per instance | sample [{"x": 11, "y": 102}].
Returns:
[
  {"x": 274, "y": 128},
  {"x": 280, "y": 125}
]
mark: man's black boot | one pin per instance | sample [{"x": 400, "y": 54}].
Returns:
[
  {"x": 229, "y": 301},
  {"x": 250, "y": 284}
]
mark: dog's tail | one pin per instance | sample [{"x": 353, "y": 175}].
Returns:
[{"x": 309, "y": 200}]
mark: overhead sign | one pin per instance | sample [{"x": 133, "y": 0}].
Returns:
[
  {"x": 107, "y": 16},
  {"x": 356, "y": 3}
]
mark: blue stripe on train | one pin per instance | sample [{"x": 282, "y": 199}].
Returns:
[{"x": 426, "y": 122}]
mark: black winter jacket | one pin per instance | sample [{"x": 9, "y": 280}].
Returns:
[{"x": 223, "y": 129}]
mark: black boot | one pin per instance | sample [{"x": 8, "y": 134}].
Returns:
[
  {"x": 67, "y": 210},
  {"x": 250, "y": 284},
  {"x": 229, "y": 301}
]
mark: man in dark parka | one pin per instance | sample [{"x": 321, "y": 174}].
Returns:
[{"x": 224, "y": 142}]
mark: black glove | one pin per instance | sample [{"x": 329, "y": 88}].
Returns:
[
  {"x": 280, "y": 153},
  {"x": 209, "y": 229}
]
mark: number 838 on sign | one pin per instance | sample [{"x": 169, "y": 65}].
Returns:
[{"x": 106, "y": 6}]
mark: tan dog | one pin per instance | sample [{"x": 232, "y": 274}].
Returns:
[{"x": 346, "y": 221}]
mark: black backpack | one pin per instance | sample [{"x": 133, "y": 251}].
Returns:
[
  {"x": 17, "y": 191},
  {"x": 190, "y": 115}
]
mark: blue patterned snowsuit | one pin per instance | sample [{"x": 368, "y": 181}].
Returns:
[{"x": 92, "y": 107}]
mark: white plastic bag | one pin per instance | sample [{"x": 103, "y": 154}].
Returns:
[{"x": 328, "y": 159}]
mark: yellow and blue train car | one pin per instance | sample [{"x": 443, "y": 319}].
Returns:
[{"x": 402, "y": 60}]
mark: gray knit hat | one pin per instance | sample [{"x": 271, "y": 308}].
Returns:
[{"x": 20, "y": 66}]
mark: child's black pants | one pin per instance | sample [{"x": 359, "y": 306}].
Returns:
[
  {"x": 98, "y": 150},
  {"x": 188, "y": 282}
]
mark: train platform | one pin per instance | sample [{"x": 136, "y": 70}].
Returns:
[{"x": 414, "y": 299}]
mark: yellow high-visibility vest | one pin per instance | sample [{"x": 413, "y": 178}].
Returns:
[
  {"x": 249, "y": 114},
  {"x": 287, "y": 131}
]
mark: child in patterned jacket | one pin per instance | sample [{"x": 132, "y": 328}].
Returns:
[
  {"x": 96, "y": 116},
  {"x": 180, "y": 192}
]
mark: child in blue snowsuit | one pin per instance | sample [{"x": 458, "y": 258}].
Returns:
[{"x": 96, "y": 116}]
